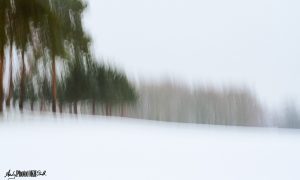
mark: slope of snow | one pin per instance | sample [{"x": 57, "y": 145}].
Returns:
[{"x": 96, "y": 147}]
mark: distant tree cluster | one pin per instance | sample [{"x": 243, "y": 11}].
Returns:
[
  {"x": 168, "y": 101},
  {"x": 288, "y": 117}
]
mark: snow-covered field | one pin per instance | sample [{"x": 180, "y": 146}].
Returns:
[{"x": 95, "y": 147}]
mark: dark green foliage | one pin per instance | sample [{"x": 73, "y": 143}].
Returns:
[
  {"x": 109, "y": 86},
  {"x": 97, "y": 83},
  {"x": 44, "y": 88},
  {"x": 117, "y": 89},
  {"x": 96, "y": 76},
  {"x": 124, "y": 91},
  {"x": 61, "y": 91},
  {"x": 76, "y": 82},
  {"x": 30, "y": 93}
]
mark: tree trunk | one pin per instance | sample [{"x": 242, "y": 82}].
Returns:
[
  {"x": 10, "y": 90},
  {"x": 53, "y": 84},
  {"x": 1, "y": 78},
  {"x": 14, "y": 102},
  {"x": 110, "y": 106},
  {"x": 94, "y": 106},
  {"x": 70, "y": 108},
  {"x": 106, "y": 110},
  {"x": 60, "y": 107},
  {"x": 75, "y": 107},
  {"x": 42, "y": 105},
  {"x": 22, "y": 84},
  {"x": 31, "y": 105},
  {"x": 122, "y": 110}
]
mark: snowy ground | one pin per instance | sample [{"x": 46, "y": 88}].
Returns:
[{"x": 88, "y": 147}]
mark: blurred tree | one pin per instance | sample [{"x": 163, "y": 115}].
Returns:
[
  {"x": 124, "y": 93},
  {"x": 3, "y": 40},
  {"x": 62, "y": 25},
  {"x": 291, "y": 117},
  {"x": 116, "y": 90},
  {"x": 10, "y": 34},
  {"x": 30, "y": 93},
  {"x": 96, "y": 76},
  {"x": 61, "y": 94},
  {"x": 24, "y": 20},
  {"x": 76, "y": 82},
  {"x": 16, "y": 91},
  {"x": 44, "y": 91}
]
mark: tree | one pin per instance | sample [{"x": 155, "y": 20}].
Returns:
[
  {"x": 94, "y": 77},
  {"x": 291, "y": 116},
  {"x": 116, "y": 90},
  {"x": 3, "y": 39},
  {"x": 120, "y": 91},
  {"x": 44, "y": 91},
  {"x": 11, "y": 34},
  {"x": 63, "y": 25},
  {"x": 61, "y": 94},
  {"x": 76, "y": 82},
  {"x": 30, "y": 93},
  {"x": 26, "y": 19},
  {"x": 16, "y": 91}
]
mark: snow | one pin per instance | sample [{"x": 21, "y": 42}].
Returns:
[{"x": 112, "y": 148}]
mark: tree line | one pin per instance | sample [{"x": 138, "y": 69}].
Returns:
[
  {"x": 45, "y": 34},
  {"x": 56, "y": 68},
  {"x": 80, "y": 81}
]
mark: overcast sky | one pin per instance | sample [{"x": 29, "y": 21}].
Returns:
[{"x": 243, "y": 42}]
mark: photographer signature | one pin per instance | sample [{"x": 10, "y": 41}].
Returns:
[{"x": 28, "y": 173}]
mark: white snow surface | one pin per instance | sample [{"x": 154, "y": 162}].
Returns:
[{"x": 112, "y": 148}]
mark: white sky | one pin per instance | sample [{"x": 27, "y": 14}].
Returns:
[{"x": 251, "y": 42}]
